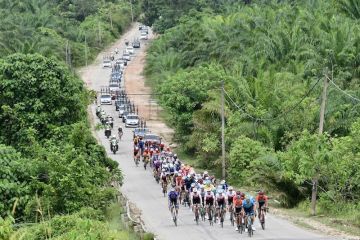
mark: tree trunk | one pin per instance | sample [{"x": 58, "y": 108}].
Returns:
[{"x": 313, "y": 196}]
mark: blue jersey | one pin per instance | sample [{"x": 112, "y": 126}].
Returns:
[
  {"x": 173, "y": 195},
  {"x": 249, "y": 208}
]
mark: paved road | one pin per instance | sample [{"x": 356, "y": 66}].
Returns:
[{"x": 141, "y": 189}]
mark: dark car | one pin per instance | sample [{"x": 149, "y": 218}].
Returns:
[
  {"x": 140, "y": 132},
  {"x": 152, "y": 139},
  {"x": 136, "y": 43}
]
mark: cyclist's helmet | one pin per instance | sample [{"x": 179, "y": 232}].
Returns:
[
  {"x": 238, "y": 193},
  {"x": 195, "y": 190},
  {"x": 261, "y": 192},
  {"x": 231, "y": 188}
]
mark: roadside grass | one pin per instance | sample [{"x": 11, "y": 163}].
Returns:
[
  {"x": 113, "y": 218},
  {"x": 346, "y": 221}
]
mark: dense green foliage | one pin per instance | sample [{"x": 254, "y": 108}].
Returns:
[
  {"x": 272, "y": 56},
  {"x": 51, "y": 165},
  {"x": 49, "y": 27},
  {"x": 85, "y": 224}
]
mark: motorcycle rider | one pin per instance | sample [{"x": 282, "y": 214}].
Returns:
[
  {"x": 114, "y": 142},
  {"x": 98, "y": 110},
  {"x": 107, "y": 130}
]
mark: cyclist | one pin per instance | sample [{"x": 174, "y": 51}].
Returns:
[
  {"x": 249, "y": 208},
  {"x": 220, "y": 202},
  {"x": 136, "y": 151},
  {"x": 230, "y": 197},
  {"x": 195, "y": 199},
  {"x": 120, "y": 132},
  {"x": 262, "y": 200},
  {"x": 237, "y": 204},
  {"x": 173, "y": 199},
  {"x": 209, "y": 200}
]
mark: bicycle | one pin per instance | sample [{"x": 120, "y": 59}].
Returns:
[
  {"x": 146, "y": 161},
  {"x": 239, "y": 223},
  {"x": 249, "y": 224},
  {"x": 196, "y": 212},
  {"x": 210, "y": 211},
  {"x": 262, "y": 213},
  {"x": 231, "y": 213},
  {"x": 222, "y": 216},
  {"x": 120, "y": 135},
  {"x": 174, "y": 214},
  {"x": 137, "y": 160},
  {"x": 164, "y": 188},
  {"x": 202, "y": 213}
]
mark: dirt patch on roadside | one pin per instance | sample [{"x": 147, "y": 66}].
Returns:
[
  {"x": 142, "y": 98},
  {"x": 312, "y": 224}
]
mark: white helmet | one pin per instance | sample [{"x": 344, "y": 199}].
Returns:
[
  {"x": 195, "y": 190},
  {"x": 205, "y": 173},
  {"x": 114, "y": 136},
  {"x": 231, "y": 188}
]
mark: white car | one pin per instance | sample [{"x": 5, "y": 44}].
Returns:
[
  {"x": 130, "y": 49},
  {"x": 126, "y": 56},
  {"x": 114, "y": 87},
  {"x": 105, "y": 99},
  {"x": 132, "y": 120},
  {"x": 143, "y": 36},
  {"x": 107, "y": 63}
]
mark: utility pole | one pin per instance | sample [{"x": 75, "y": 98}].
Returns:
[
  {"x": 132, "y": 13},
  {"x": 99, "y": 33},
  {"x": 315, "y": 179},
  {"x": 85, "y": 51},
  {"x": 111, "y": 22},
  {"x": 223, "y": 131}
]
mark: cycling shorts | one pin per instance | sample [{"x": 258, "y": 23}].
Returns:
[
  {"x": 174, "y": 202},
  {"x": 196, "y": 200},
  {"x": 238, "y": 210},
  {"x": 209, "y": 202},
  {"x": 261, "y": 203}
]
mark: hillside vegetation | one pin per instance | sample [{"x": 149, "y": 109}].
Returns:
[
  {"x": 273, "y": 57},
  {"x": 56, "y": 180}
]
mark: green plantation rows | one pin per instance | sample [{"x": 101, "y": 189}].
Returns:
[{"x": 273, "y": 57}]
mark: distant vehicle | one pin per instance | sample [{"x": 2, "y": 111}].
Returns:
[
  {"x": 105, "y": 99},
  {"x": 126, "y": 56},
  {"x": 150, "y": 138},
  {"x": 143, "y": 36},
  {"x": 107, "y": 63},
  {"x": 132, "y": 120},
  {"x": 116, "y": 77},
  {"x": 114, "y": 88},
  {"x": 136, "y": 43},
  {"x": 124, "y": 115},
  {"x": 140, "y": 132},
  {"x": 130, "y": 49},
  {"x": 121, "y": 109},
  {"x": 144, "y": 29}
]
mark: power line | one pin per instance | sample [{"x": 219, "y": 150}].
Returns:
[
  {"x": 342, "y": 91},
  {"x": 281, "y": 114}
]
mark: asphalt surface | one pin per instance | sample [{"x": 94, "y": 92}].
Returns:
[{"x": 142, "y": 190}]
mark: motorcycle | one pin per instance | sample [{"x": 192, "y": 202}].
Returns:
[
  {"x": 114, "y": 148},
  {"x": 107, "y": 133}
]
